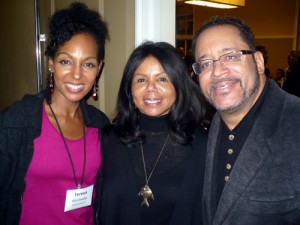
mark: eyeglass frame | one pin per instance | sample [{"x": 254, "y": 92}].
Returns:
[{"x": 242, "y": 52}]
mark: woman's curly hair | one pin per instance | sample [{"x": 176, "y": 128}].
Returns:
[
  {"x": 76, "y": 19},
  {"x": 65, "y": 23}
]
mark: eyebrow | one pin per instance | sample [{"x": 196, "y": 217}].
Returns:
[
  {"x": 65, "y": 53},
  {"x": 223, "y": 51},
  {"x": 157, "y": 74}
]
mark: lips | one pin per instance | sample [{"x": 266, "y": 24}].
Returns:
[
  {"x": 223, "y": 86},
  {"x": 152, "y": 102},
  {"x": 74, "y": 87}
]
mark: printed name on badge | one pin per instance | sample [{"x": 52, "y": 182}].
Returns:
[{"x": 78, "y": 198}]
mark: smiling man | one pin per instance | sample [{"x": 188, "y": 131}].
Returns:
[{"x": 252, "y": 166}]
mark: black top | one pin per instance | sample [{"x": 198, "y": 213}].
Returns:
[
  {"x": 176, "y": 182},
  {"x": 170, "y": 168}
]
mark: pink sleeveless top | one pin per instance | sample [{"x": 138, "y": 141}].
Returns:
[{"x": 50, "y": 175}]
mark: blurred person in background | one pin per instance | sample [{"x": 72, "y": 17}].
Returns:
[{"x": 292, "y": 81}]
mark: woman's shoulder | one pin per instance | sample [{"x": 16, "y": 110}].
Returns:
[
  {"x": 110, "y": 134},
  {"x": 200, "y": 135},
  {"x": 111, "y": 137},
  {"x": 201, "y": 131},
  {"x": 92, "y": 109},
  {"x": 93, "y": 115},
  {"x": 27, "y": 102},
  {"x": 111, "y": 145},
  {"x": 23, "y": 112}
]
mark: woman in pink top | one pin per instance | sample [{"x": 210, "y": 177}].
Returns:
[{"x": 50, "y": 142}]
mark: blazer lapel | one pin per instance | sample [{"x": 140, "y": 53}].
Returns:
[
  {"x": 252, "y": 155},
  {"x": 245, "y": 168},
  {"x": 210, "y": 178}
]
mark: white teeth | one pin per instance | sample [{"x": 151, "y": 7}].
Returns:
[
  {"x": 75, "y": 87},
  {"x": 221, "y": 87},
  {"x": 152, "y": 101}
]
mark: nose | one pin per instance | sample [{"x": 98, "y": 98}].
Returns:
[
  {"x": 151, "y": 86},
  {"x": 77, "y": 71},
  {"x": 219, "y": 69}
]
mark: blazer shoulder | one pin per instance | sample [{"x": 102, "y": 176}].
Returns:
[
  {"x": 93, "y": 116},
  {"x": 24, "y": 112}
]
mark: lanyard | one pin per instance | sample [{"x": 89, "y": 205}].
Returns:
[{"x": 68, "y": 151}]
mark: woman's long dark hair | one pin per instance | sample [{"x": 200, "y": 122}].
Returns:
[{"x": 186, "y": 113}]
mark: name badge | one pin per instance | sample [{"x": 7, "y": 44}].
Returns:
[{"x": 78, "y": 198}]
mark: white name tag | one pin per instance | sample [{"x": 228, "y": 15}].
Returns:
[{"x": 78, "y": 198}]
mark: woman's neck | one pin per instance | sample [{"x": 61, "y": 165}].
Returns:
[
  {"x": 65, "y": 108},
  {"x": 154, "y": 124}
]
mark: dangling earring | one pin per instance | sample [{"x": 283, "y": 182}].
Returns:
[
  {"x": 94, "y": 96},
  {"x": 51, "y": 82}
]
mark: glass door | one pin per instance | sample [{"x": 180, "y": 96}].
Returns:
[{"x": 18, "y": 74}]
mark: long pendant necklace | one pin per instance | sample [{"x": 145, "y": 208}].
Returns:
[
  {"x": 68, "y": 151},
  {"x": 145, "y": 191}
]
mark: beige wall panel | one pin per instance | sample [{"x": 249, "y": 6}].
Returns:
[
  {"x": 120, "y": 18},
  {"x": 17, "y": 58}
]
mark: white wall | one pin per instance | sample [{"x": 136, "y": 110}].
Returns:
[
  {"x": 155, "y": 21},
  {"x": 130, "y": 23}
]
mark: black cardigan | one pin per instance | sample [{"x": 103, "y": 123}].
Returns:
[
  {"x": 20, "y": 124},
  {"x": 120, "y": 203}
]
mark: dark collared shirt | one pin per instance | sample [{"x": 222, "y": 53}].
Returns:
[{"x": 232, "y": 141}]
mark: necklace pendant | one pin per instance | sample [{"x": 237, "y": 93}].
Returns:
[{"x": 146, "y": 192}]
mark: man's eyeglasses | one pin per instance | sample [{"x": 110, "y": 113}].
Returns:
[{"x": 225, "y": 59}]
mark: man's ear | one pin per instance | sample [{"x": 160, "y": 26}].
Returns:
[{"x": 259, "y": 60}]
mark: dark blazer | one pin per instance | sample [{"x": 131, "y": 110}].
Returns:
[
  {"x": 20, "y": 124},
  {"x": 264, "y": 185}
]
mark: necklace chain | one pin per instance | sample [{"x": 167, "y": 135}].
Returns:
[
  {"x": 147, "y": 178},
  {"x": 68, "y": 151},
  {"x": 146, "y": 191}
]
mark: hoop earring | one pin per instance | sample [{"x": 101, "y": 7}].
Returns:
[
  {"x": 94, "y": 95},
  {"x": 51, "y": 82}
]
